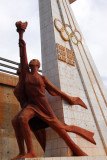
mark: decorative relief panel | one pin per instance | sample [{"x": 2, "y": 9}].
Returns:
[
  {"x": 65, "y": 55},
  {"x": 67, "y": 33}
]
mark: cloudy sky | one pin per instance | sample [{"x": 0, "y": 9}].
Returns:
[{"x": 90, "y": 14}]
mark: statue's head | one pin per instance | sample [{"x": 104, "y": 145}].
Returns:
[{"x": 34, "y": 62}]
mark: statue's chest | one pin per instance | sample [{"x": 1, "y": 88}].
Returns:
[{"x": 33, "y": 80}]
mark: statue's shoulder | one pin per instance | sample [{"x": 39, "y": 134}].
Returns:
[{"x": 44, "y": 78}]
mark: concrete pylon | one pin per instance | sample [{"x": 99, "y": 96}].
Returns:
[{"x": 67, "y": 62}]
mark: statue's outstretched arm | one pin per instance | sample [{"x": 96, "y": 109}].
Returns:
[{"x": 57, "y": 92}]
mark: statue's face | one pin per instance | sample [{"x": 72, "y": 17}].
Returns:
[{"x": 34, "y": 62}]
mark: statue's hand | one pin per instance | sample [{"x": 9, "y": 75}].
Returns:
[
  {"x": 22, "y": 43},
  {"x": 77, "y": 101}
]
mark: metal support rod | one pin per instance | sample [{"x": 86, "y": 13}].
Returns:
[
  {"x": 1, "y": 70},
  {"x": 7, "y": 60},
  {"x": 39, "y": 70},
  {"x": 7, "y": 66},
  {"x": 10, "y": 67}
]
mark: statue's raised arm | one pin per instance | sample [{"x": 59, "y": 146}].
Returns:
[{"x": 23, "y": 54}]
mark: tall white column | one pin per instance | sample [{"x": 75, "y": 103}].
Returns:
[{"x": 70, "y": 67}]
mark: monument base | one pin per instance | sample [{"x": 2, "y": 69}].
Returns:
[{"x": 69, "y": 158}]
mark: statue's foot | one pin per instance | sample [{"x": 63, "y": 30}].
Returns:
[
  {"x": 78, "y": 101},
  {"x": 29, "y": 155},
  {"x": 19, "y": 156}
]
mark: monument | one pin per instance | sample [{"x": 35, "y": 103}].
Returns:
[{"x": 67, "y": 63}]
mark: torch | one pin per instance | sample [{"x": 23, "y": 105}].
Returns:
[{"x": 21, "y": 28}]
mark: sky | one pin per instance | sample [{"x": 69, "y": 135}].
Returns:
[{"x": 90, "y": 15}]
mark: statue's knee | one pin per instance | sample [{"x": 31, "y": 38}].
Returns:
[{"x": 22, "y": 120}]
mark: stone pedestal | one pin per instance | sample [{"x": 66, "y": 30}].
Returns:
[
  {"x": 69, "y": 158},
  {"x": 70, "y": 67}
]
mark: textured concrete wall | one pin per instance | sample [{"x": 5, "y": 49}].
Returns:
[{"x": 9, "y": 107}]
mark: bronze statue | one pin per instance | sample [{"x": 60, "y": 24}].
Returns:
[{"x": 36, "y": 113}]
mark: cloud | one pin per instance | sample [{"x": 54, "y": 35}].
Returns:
[
  {"x": 13, "y": 11},
  {"x": 91, "y": 18},
  {"x": 104, "y": 79}
]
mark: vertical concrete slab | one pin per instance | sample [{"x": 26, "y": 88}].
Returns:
[{"x": 81, "y": 79}]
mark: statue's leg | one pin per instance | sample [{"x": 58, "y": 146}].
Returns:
[
  {"x": 63, "y": 134},
  {"x": 24, "y": 118},
  {"x": 41, "y": 137},
  {"x": 19, "y": 136}
]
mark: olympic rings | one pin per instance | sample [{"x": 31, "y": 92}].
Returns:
[{"x": 63, "y": 30}]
